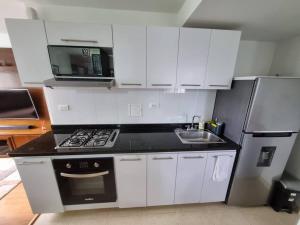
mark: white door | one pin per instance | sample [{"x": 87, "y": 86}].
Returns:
[
  {"x": 130, "y": 56},
  {"x": 192, "y": 57},
  {"x": 223, "y": 51},
  {"x": 189, "y": 179},
  {"x": 162, "y": 50},
  {"x": 40, "y": 184},
  {"x": 29, "y": 44},
  {"x": 131, "y": 180},
  {"x": 215, "y": 188},
  {"x": 161, "y": 175},
  {"x": 78, "y": 34}
]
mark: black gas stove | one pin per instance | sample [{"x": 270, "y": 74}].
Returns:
[{"x": 90, "y": 138}]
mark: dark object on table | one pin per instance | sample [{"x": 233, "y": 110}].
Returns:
[{"x": 285, "y": 192}]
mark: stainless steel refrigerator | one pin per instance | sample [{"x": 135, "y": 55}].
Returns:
[{"x": 263, "y": 116}]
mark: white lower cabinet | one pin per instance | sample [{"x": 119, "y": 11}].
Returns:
[
  {"x": 131, "y": 180},
  {"x": 161, "y": 175},
  {"x": 173, "y": 178},
  {"x": 215, "y": 188},
  {"x": 40, "y": 184},
  {"x": 189, "y": 180}
]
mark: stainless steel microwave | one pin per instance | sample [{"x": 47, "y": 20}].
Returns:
[{"x": 74, "y": 62}]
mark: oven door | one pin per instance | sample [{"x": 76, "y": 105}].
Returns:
[{"x": 83, "y": 181}]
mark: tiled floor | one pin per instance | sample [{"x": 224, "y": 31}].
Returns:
[{"x": 198, "y": 214}]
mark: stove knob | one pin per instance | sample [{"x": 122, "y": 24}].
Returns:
[
  {"x": 96, "y": 165},
  {"x": 68, "y": 165}
]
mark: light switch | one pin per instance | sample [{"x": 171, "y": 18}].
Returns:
[
  {"x": 153, "y": 105},
  {"x": 63, "y": 107},
  {"x": 136, "y": 110}
]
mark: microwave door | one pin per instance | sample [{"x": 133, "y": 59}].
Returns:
[{"x": 75, "y": 62}]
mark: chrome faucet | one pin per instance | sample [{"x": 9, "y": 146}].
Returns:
[{"x": 193, "y": 121}]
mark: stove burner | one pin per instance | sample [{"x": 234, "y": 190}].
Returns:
[{"x": 89, "y": 138}]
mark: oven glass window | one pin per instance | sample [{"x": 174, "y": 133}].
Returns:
[{"x": 87, "y": 186}]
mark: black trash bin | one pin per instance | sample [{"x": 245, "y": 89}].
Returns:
[{"x": 284, "y": 195}]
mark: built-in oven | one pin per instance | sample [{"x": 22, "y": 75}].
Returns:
[
  {"x": 85, "y": 180},
  {"x": 74, "y": 62}
]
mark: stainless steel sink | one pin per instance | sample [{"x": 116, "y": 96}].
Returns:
[{"x": 197, "y": 137}]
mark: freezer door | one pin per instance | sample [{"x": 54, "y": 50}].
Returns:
[
  {"x": 261, "y": 160},
  {"x": 275, "y": 106}
]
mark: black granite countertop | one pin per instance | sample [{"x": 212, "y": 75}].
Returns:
[{"x": 132, "y": 139}]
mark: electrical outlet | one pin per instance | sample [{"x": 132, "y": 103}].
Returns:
[
  {"x": 135, "y": 110},
  {"x": 63, "y": 107}
]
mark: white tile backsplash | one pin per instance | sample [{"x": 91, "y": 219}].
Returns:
[{"x": 102, "y": 106}]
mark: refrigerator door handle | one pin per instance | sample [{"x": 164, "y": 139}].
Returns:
[{"x": 269, "y": 131}]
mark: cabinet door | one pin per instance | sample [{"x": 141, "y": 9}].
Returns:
[
  {"x": 29, "y": 44},
  {"x": 215, "y": 191},
  {"x": 40, "y": 184},
  {"x": 223, "y": 51},
  {"x": 189, "y": 179},
  {"x": 79, "y": 34},
  {"x": 162, "y": 50},
  {"x": 130, "y": 56},
  {"x": 192, "y": 57},
  {"x": 161, "y": 174},
  {"x": 131, "y": 180}
]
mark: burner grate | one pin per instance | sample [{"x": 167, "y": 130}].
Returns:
[{"x": 86, "y": 138}]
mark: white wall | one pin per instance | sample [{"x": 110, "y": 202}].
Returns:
[
  {"x": 287, "y": 58},
  {"x": 102, "y": 106},
  {"x": 287, "y": 62},
  {"x": 254, "y": 58},
  {"x": 104, "y": 16}
]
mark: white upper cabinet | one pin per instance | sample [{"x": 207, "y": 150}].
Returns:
[
  {"x": 79, "y": 34},
  {"x": 221, "y": 59},
  {"x": 29, "y": 44},
  {"x": 162, "y": 51},
  {"x": 192, "y": 57},
  {"x": 189, "y": 179},
  {"x": 130, "y": 56}
]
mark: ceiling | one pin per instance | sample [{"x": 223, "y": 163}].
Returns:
[
  {"x": 168, "y": 6},
  {"x": 265, "y": 20}
]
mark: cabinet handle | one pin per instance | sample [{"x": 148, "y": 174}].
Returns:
[
  {"x": 218, "y": 85},
  {"x": 131, "y": 84},
  {"x": 193, "y": 157},
  {"x": 30, "y": 163},
  {"x": 216, "y": 156},
  {"x": 161, "y": 85},
  {"x": 194, "y": 85},
  {"x": 137, "y": 159},
  {"x": 162, "y": 158},
  {"x": 78, "y": 40}
]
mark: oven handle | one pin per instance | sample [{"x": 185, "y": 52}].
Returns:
[{"x": 89, "y": 175}]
